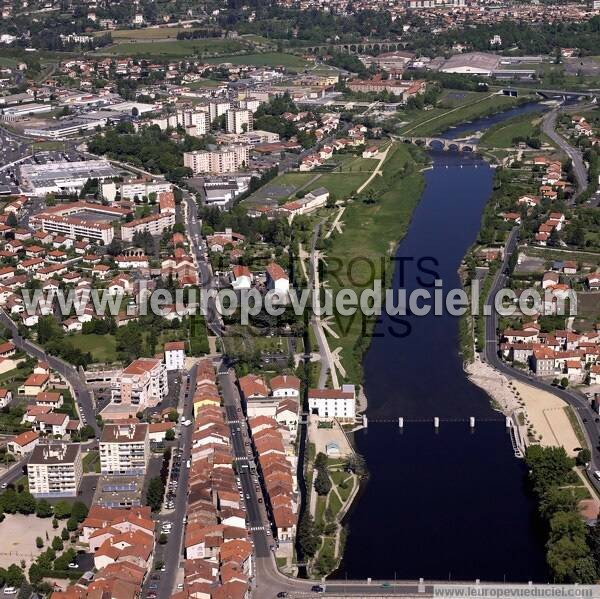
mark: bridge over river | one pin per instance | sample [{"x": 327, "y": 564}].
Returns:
[{"x": 440, "y": 143}]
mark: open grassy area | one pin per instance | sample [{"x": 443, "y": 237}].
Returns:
[
  {"x": 340, "y": 185},
  {"x": 203, "y": 84},
  {"x": 102, "y": 347},
  {"x": 436, "y": 120},
  {"x": 361, "y": 253},
  {"x": 146, "y": 33},
  {"x": 91, "y": 461},
  {"x": 501, "y": 136},
  {"x": 174, "y": 49},
  {"x": 268, "y": 59}
]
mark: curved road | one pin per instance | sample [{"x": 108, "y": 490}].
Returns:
[
  {"x": 549, "y": 128},
  {"x": 577, "y": 401},
  {"x": 82, "y": 395}
]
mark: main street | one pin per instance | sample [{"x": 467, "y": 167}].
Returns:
[{"x": 579, "y": 403}]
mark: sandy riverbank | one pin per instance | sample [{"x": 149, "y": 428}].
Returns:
[{"x": 545, "y": 415}]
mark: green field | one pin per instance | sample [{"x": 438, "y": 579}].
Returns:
[
  {"x": 268, "y": 59},
  {"x": 102, "y": 347},
  {"x": 361, "y": 253},
  {"x": 340, "y": 185},
  {"x": 174, "y": 49},
  {"x": 7, "y": 61},
  {"x": 437, "y": 120},
  {"x": 147, "y": 33},
  {"x": 203, "y": 84},
  {"x": 501, "y": 136}
]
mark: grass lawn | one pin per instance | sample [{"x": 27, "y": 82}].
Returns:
[
  {"x": 320, "y": 510},
  {"x": 147, "y": 33},
  {"x": 501, "y": 136},
  {"x": 49, "y": 146},
  {"x": 7, "y": 61},
  {"x": 102, "y": 347},
  {"x": 203, "y": 84},
  {"x": 175, "y": 49},
  {"x": 91, "y": 462},
  {"x": 340, "y": 185},
  {"x": 361, "y": 253},
  {"x": 268, "y": 59},
  {"x": 345, "y": 491},
  {"x": 335, "y": 505},
  {"x": 356, "y": 164},
  {"x": 436, "y": 120}
]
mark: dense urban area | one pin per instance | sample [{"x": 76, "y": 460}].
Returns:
[{"x": 158, "y": 441}]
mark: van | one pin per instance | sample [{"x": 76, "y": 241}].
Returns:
[{"x": 188, "y": 463}]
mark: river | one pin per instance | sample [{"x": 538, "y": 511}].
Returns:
[{"x": 450, "y": 504}]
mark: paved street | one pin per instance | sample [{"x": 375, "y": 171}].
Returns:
[
  {"x": 68, "y": 371},
  {"x": 549, "y": 128},
  {"x": 576, "y": 400}
]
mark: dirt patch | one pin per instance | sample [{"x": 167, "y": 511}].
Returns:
[{"x": 18, "y": 534}]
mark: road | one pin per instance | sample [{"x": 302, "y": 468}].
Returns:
[
  {"x": 171, "y": 553},
  {"x": 82, "y": 395},
  {"x": 549, "y": 128},
  {"x": 213, "y": 318},
  {"x": 578, "y": 402}
]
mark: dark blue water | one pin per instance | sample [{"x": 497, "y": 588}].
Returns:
[{"x": 451, "y": 504}]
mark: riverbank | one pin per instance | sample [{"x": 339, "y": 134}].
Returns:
[{"x": 373, "y": 224}]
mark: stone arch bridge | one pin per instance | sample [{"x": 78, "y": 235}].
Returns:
[
  {"x": 355, "y": 48},
  {"x": 439, "y": 143}
]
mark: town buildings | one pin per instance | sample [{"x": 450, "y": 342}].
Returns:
[
  {"x": 224, "y": 159},
  {"x": 55, "y": 470},
  {"x": 124, "y": 449},
  {"x": 142, "y": 384}
]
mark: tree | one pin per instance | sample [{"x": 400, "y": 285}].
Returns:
[
  {"x": 72, "y": 524},
  {"x": 583, "y": 457},
  {"x": 57, "y": 544},
  {"x": 14, "y": 576},
  {"x": 43, "y": 509},
  {"x": 27, "y": 503},
  {"x": 170, "y": 435},
  {"x": 308, "y": 540},
  {"x": 39, "y": 542},
  {"x": 79, "y": 511},
  {"x": 62, "y": 509},
  {"x": 154, "y": 495},
  {"x": 564, "y": 382},
  {"x": 163, "y": 538},
  {"x": 35, "y": 574},
  {"x": 173, "y": 416},
  {"x": 64, "y": 534},
  {"x": 54, "y": 523},
  {"x": 322, "y": 483}
]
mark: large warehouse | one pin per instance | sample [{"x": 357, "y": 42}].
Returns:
[{"x": 63, "y": 176}]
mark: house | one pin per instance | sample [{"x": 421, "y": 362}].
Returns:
[
  {"x": 175, "y": 355},
  {"x": 593, "y": 281},
  {"x": 24, "y": 443},
  {"x": 333, "y": 403},
  {"x": 253, "y": 386},
  {"x": 158, "y": 430},
  {"x": 51, "y": 399},
  {"x": 550, "y": 279},
  {"x": 277, "y": 280},
  {"x": 52, "y": 423},
  {"x": 34, "y": 384},
  {"x": 570, "y": 267},
  {"x": 7, "y": 349},
  {"x": 5, "y": 397},
  {"x": 285, "y": 385},
  {"x": 241, "y": 277}
]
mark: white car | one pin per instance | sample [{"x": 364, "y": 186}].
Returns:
[{"x": 10, "y": 591}]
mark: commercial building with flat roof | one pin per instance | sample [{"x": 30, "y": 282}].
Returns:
[
  {"x": 55, "y": 470},
  {"x": 64, "y": 176}
]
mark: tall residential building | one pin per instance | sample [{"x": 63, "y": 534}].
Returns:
[
  {"x": 55, "y": 470},
  {"x": 239, "y": 120},
  {"x": 225, "y": 159},
  {"x": 187, "y": 118},
  {"x": 143, "y": 383},
  {"x": 124, "y": 449},
  {"x": 217, "y": 107}
]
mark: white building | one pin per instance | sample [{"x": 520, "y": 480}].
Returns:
[
  {"x": 124, "y": 449},
  {"x": 155, "y": 224},
  {"x": 175, "y": 355},
  {"x": 55, "y": 470},
  {"x": 333, "y": 403},
  {"x": 143, "y": 383},
  {"x": 132, "y": 189},
  {"x": 239, "y": 120},
  {"x": 225, "y": 159}
]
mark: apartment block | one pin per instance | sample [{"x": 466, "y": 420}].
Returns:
[
  {"x": 155, "y": 224},
  {"x": 55, "y": 470},
  {"x": 226, "y": 159},
  {"x": 124, "y": 449},
  {"x": 143, "y": 384},
  {"x": 239, "y": 120}
]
